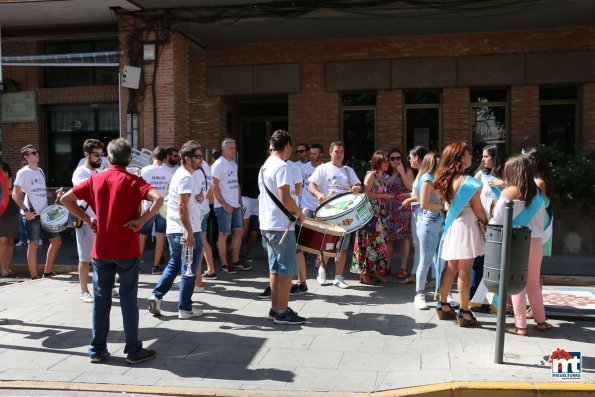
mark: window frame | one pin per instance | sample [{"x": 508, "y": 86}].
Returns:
[
  {"x": 438, "y": 106},
  {"x": 505, "y": 105},
  {"x": 346, "y": 108},
  {"x": 577, "y": 102}
]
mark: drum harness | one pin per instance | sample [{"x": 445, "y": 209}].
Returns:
[{"x": 290, "y": 215}]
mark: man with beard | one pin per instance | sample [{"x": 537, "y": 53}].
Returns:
[
  {"x": 172, "y": 161},
  {"x": 85, "y": 237}
]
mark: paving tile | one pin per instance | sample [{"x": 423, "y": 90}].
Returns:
[
  {"x": 408, "y": 378},
  {"x": 39, "y": 375},
  {"x": 337, "y": 380},
  {"x": 379, "y": 361},
  {"x": 353, "y": 343},
  {"x": 301, "y": 358}
]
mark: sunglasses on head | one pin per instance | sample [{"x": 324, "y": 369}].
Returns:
[{"x": 395, "y": 158}]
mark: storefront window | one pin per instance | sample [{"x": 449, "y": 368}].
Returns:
[
  {"x": 489, "y": 121},
  {"x": 558, "y": 107},
  {"x": 422, "y": 119},
  {"x": 68, "y": 127},
  {"x": 80, "y": 76},
  {"x": 358, "y": 122}
]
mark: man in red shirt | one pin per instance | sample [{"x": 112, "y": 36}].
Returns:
[{"x": 115, "y": 196}]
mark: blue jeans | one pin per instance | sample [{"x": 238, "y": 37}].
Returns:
[
  {"x": 428, "y": 227},
  {"x": 104, "y": 274},
  {"x": 175, "y": 266},
  {"x": 476, "y": 274},
  {"x": 414, "y": 213}
]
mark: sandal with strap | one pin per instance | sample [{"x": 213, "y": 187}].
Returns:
[
  {"x": 402, "y": 274},
  {"x": 466, "y": 322},
  {"x": 516, "y": 331},
  {"x": 544, "y": 326},
  {"x": 366, "y": 279},
  {"x": 445, "y": 314}
]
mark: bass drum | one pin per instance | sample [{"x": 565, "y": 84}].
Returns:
[
  {"x": 348, "y": 210},
  {"x": 54, "y": 218}
]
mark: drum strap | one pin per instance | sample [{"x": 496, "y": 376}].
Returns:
[
  {"x": 206, "y": 181},
  {"x": 291, "y": 216},
  {"x": 27, "y": 194}
]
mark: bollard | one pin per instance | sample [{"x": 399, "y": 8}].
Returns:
[{"x": 504, "y": 274}]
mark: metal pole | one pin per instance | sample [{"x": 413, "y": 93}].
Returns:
[{"x": 504, "y": 276}]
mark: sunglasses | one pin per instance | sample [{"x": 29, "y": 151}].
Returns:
[
  {"x": 32, "y": 152},
  {"x": 96, "y": 154},
  {"x": 197, "y": 156},
  {"x": 392, "y": 158},
  {"x": 300, "y": 151}
]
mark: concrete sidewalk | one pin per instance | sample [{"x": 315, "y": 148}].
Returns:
[{"x": 363, "y": 339}]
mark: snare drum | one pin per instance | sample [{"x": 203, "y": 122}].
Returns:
[
  {"x": 54, "y": 218},
  {"x": 318, "y": 236},
  {"x": 347, "y": 210}
]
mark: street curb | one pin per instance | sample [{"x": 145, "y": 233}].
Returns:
[{"x": 451, "y": 389}]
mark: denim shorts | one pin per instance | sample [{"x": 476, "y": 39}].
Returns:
[
  {"x": 227, "y": 222},
  {"x": 158, "y": 221},
  {"x": 282, "y": 259},
  {"x": 204, "y": 224},
  {"x": 35, "y": 231}
]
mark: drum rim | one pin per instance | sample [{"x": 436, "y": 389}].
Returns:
[
  {"x": 339, "y": 215},
  {"x": 343, "y": 230},
  {"x": 55, "y": 226}
]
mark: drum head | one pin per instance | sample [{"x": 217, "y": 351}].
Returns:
[
  {"x": 337, "y": 205},
  {"x": 54, "y": 218},
  {"x": 323, "y": 226},
  {"x": 4, "y": 193}
]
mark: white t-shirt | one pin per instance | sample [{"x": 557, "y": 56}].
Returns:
[
  {"x": 32, "y": 182},
  {"x": 274, "y": 174},
  {"x": 227, "y": 174},
  {"x": 157, "y": 176},
  {"x": 251, "y": 207},
  {"x": 333, "y": 180},
  {"x": 182, "y": 183},
  {"x": 296, "y": 174},
  {"x": 203, "y": 184},
  {"x": 80, "y": 175},
  {"x": 536, "y": 224},
  {"x": 307, "y": 200}
]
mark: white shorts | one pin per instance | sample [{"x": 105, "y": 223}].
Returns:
[{"x": 85, "y": 237}]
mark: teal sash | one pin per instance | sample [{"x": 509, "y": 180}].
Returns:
[
  {"x": 425, "y": 177},
  {"x": 524, "y": 217},
  {"x": 468, "y": 188},
  {"x": 495, "y": 189}
]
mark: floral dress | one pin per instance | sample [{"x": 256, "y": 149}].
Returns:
[
  {"x": 369, "y": 252},
  {"x": 398, "y": 224}
]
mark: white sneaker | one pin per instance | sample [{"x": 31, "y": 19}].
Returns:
[
  {"x": 184, "y": 315},
  {"x": 452, "y": 302},
  {"x": 321, "y": 276},
  {"x": 420, "y": 302},
  {"x": 340, "y": 283},
  {"x": 86, "y": 297},
  {"x": 199, "y": 289},
  {"x": 115, "y": 293},
  {"x": 154, "y": 305}
]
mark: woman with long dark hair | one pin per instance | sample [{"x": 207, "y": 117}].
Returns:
[
  {"x": 528, "y": 210},
  {"x": 398, "y": 180},
  {"x": 462, "y": 240},
  {"x": 369, "y": 252}
]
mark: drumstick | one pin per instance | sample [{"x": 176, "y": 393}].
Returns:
[{"x": 283, "y": 237}]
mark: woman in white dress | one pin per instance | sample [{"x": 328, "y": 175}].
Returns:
[{"x": 462, "y": 240}]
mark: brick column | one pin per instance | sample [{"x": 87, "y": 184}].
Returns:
[
  {"x": 389, "y": 116},
  {"x": 524, "y": 117},
  {"x": 455, "y": 116}
]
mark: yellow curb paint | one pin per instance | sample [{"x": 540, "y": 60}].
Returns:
[{"x": 453, "y": 389}]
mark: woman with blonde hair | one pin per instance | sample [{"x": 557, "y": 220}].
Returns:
[
  {"x": 528, "y": 210},
  {"x": 428, "y": 225},
  {"x": 462, "y": 239}
]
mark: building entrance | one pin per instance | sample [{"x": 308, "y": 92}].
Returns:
[{"x": 258, "y": 121}]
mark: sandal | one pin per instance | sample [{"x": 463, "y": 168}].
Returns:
[
  {"x": 378, "y": 277},
  {"x": 516, "y": 331},
  {"x": 466, "y": 322},
  {"x": 366, "y": 279},
  {"x": 529, "y": 313},
  {"x": 402, "y": 274},
  {"x": 544, "y": 326},
  {"x": 445, "y": 314}
]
